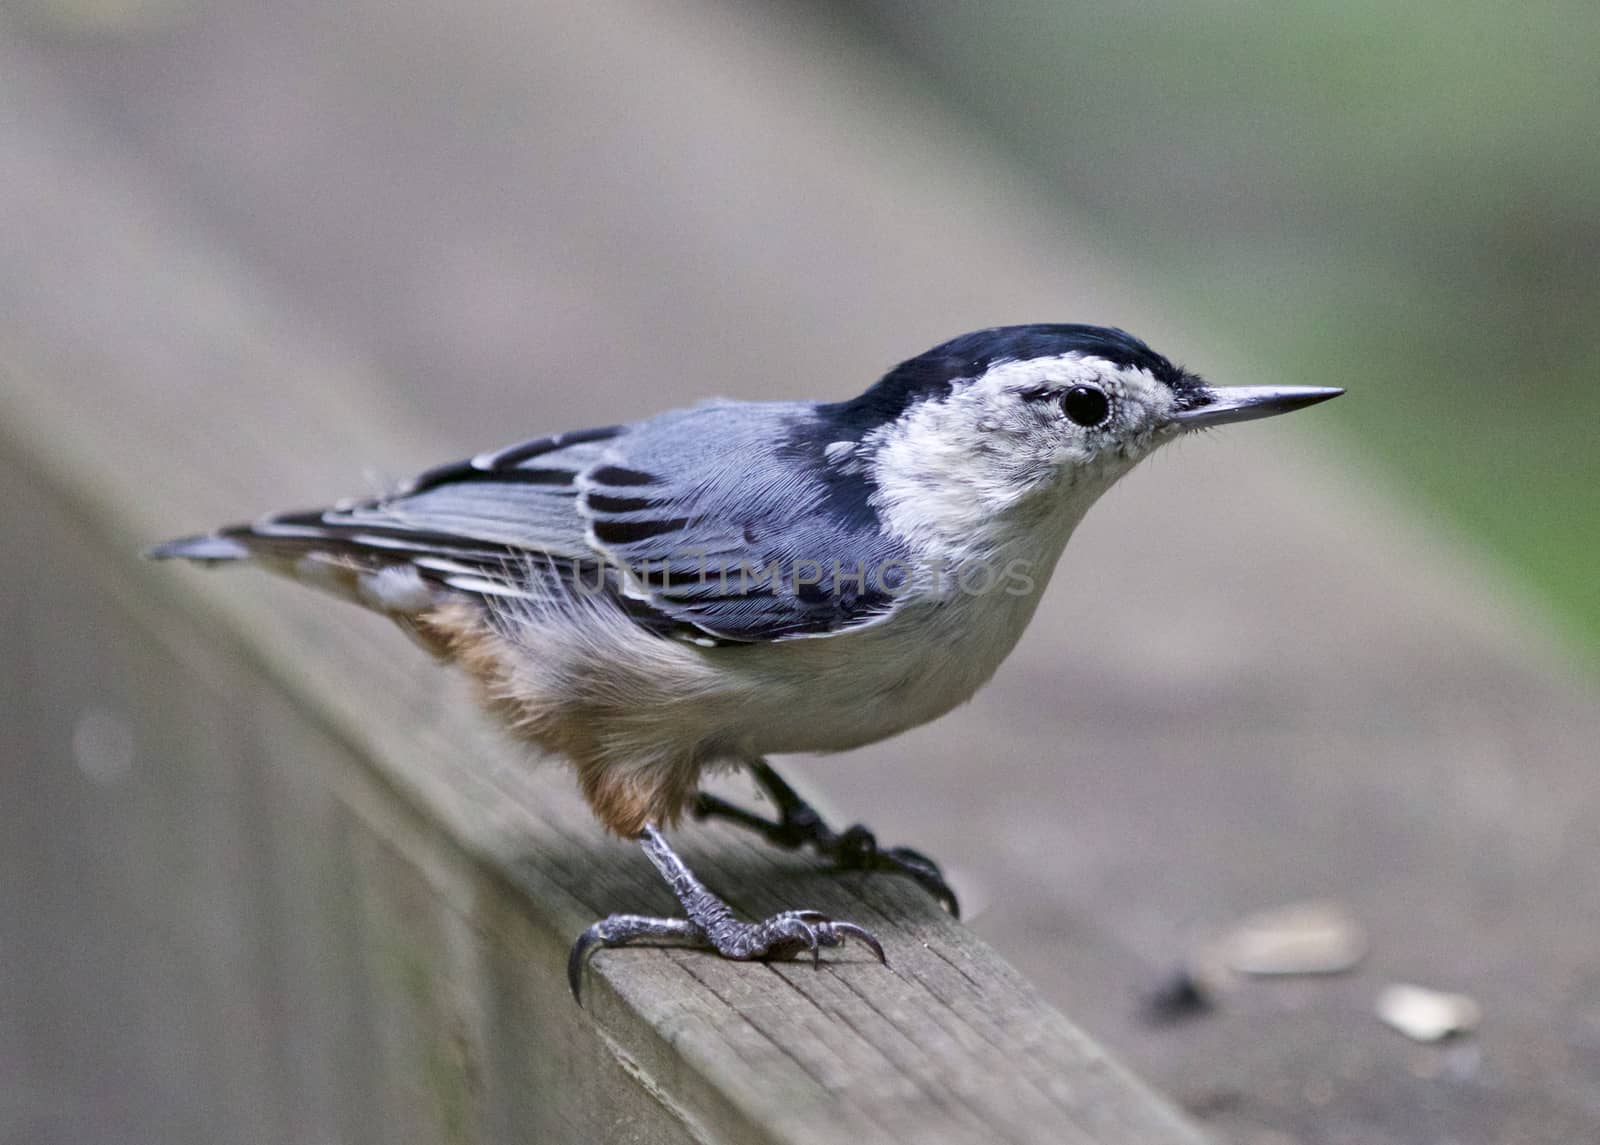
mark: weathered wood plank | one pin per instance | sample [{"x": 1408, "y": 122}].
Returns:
[{"x": 337, "y": 829}]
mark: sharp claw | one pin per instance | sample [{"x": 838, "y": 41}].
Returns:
[
  {"x": 912, "y": 855},
  {"x": 865, "y": 936},
  {"x": 860, "y": 852},
  {"x": 795, "y": 929},
  {"x": 812, "y": 942},
  {"x": 588, "y": 942},
  {"x": 926, "y": 874},
  {"x": 946, "y": 897}
]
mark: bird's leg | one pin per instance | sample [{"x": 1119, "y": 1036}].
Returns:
[
  {"x": 711, "y": 923},
  {"x": 855, "y": 848}
]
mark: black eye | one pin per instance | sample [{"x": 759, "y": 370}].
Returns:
[{"x": 1086, "y": 405}]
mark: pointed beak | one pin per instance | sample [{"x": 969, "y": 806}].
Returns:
[{"x": 1224, "y": 404}]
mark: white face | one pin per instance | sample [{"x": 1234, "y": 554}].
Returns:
[
  {"x": 1033, "y": 439},
  {"x": 1071, "y": 414}
]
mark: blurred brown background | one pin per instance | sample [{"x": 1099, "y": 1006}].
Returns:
[{"x": 1348, "y": 657}]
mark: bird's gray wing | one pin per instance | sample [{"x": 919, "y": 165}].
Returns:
[
  {"x": 727, "y": 518},
  {"x": 718, "y": 524}
]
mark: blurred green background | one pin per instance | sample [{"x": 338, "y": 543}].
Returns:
[{"x": 1401, "y": 199}]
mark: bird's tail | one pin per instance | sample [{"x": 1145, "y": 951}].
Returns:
[
  {"x": 207, "y": 548},
  {"x": 389, "y": 567}
]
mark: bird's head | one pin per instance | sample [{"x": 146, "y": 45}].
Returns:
[{"x": 1039, "y": 418}]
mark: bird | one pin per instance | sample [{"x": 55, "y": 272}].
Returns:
[{"x": 658, "y": 600}]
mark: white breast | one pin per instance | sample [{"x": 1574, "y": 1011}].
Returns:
[{"x": 932, "y": 654}]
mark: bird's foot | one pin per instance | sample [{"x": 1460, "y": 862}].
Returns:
[
  {"x": 711, "y": 925},
  {"x": 853, "y": 849},
  {"x": 856, "y": 849}
]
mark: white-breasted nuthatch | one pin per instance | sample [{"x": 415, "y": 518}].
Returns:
[{"x": 716, "y": 584}]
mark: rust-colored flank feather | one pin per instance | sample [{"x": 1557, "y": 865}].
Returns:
[{"x": 623, "y": 798}]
